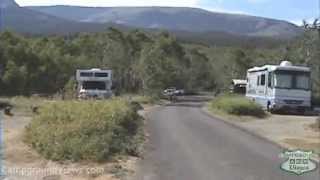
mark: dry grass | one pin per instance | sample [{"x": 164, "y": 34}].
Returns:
[
  {"x": 315, "y": 126},
  {"x": 23, "y": 105},
  {"x": 303, "y": 144},
  {"x": 230, "y": 117}
]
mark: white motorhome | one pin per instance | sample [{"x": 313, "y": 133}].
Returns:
[
  {"x": 280, "y": 87},
  {"x": 94, "y": 83}
]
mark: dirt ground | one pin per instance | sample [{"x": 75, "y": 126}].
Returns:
[
  {"x": 23, "y": 163},
  {"x": 289, "y": 131},
  {"x": 293, "y": 132}
]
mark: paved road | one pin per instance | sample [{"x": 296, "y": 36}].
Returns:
[{"x": 187, "y": 144}]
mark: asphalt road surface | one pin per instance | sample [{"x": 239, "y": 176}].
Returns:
[{"x": 187, "y": 144}]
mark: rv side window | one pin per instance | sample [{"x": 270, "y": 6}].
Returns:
[
  {"x": 86, "y": 74},
  {"x": 263, "y": 80},
  {"x": 101, "y": 75},
  {"x": 258, "y": 81}
]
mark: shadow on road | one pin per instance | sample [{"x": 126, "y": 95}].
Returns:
[
  {"x": 191, "y": 101},
  {"x": 195, "y": 105}
]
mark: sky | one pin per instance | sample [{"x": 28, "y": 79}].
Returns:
[{"x": 291, "y": 10}]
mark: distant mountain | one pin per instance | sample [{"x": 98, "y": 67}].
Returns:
[
  {"x": 8, "y": 3},
  {"x": 177, "y": 19},
  {"x": 187, "y": 24},
  {"x": 25, "y": 20}
]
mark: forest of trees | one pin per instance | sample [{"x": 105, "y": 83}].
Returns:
[{"x": 141, "y": 62}]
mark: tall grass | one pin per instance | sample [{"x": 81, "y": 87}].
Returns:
[
  {"x": 85, "y": 130},
  {"x": 237, "y": 105}
]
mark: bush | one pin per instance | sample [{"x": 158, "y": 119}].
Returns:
[
  {"x": 316, "y": 100},
  {"x": 145, "y": 99},
  {"x": 237, "y": 105},
  {"x": 4, "y": 104},
  {"x": 85, "y": 130},
  {"x": 70, "y": 89}
]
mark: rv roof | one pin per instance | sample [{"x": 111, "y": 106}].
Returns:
[
  {"x": 93, "y": 70},
  {"x": 276, "y": 67}
]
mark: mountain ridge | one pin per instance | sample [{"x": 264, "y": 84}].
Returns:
[
  {"x": 176, "y": 19},
  {"x": 26, "y": 21},
  {"x": 181, "y": 21}
]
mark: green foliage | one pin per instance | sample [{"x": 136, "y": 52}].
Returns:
[
  {"x": 241, "y": 63},
  {"x": 237, "y": 105},
  {"x": 201, "y": 72},
  {"x": 306, "y": 51},
  {"x": 70, "y": 89},
  {"x": 141, "y": 62},
  {"x": 15, "y": 77},
  {"x": 163, "y": 64},
  {"x": 316, "y": 101},
  {"x": 90, "y": 130}
]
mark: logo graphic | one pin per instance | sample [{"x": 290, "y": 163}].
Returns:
[{"x": 298, "y": 162}]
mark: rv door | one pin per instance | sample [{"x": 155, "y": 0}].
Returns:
[{"x": 270, "y": 84}]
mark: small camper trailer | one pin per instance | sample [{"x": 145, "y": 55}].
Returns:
[
  {"x": 94, "y": 83},
  {"x": 238, "y": 86},
  {"x": 280, "y": 87}
]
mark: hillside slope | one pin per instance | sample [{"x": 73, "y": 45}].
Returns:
[
  {"x": 176, "y": 19},
  {"x": 23, "y": 20}
]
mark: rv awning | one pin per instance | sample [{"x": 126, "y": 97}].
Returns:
[{"x": 239, "y": 82}]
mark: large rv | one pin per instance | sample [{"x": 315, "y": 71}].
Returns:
[
  {"x": 280, "y": 87},
  {"x": 94, "y": 83}
]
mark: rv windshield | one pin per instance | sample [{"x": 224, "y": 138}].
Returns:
[
  {"x": 292, "y": 80},
  {"x": 94, "y": 85}
]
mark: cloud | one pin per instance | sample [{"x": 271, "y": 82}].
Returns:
[
  {"x": 299, "y": 22},
  {"x": 223, "y": 10},
  {"x": 184, "y": 3}
]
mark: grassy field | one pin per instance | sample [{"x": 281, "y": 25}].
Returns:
[{"x": 236, "y": 105}]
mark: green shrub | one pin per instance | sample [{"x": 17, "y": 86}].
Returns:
[
  {"x": 85, "y": 130},
  {"x": 70, "y": 89},
  {"x": 237, "y": 105},
  {"x": 4, "y": 104},
  {"x": 316, "y": 100},
  {"x": 145, "y": 99}
]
